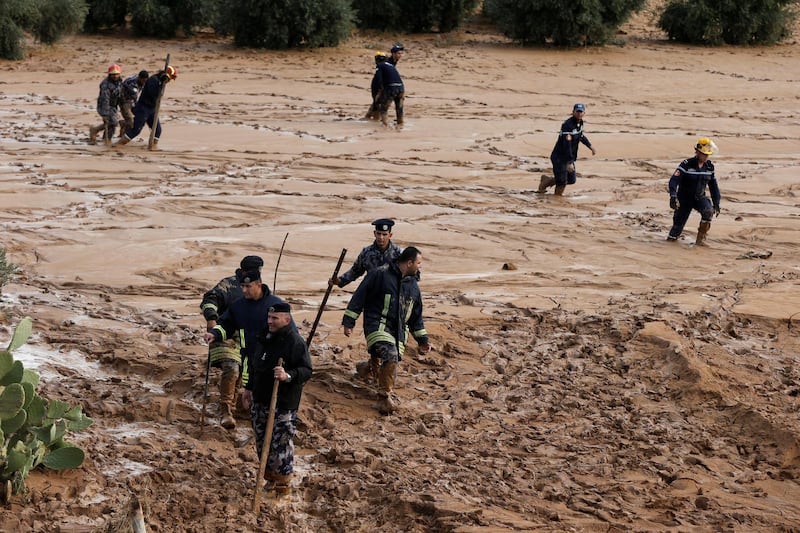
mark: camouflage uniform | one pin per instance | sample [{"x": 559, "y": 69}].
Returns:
[
  {"x": 370, "y": 258},
  {"x": 107, "y": 104},
  {"x": 281, "y": 450},
  {"x": 129, "y": 94}
]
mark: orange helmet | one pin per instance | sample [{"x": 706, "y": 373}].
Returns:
[
  {"x": 172, "y": 72},
  {"x": 115, "y": 69}
]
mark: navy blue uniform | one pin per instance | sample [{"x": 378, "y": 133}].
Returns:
[
  {"x": 145, "y": 109},
  {"x": 566, "y": 150},
  {"x": 688, "y": 184},
  {"x": 391, "y": 89}
]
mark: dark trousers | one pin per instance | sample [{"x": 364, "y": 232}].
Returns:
[
  {"x": 685, "y": 206},
  {"x": 560, "y": 173},
  {"x": 141, "y": 116}
]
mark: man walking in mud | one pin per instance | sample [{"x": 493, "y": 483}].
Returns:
[
  {"x": 390, "y": 300},
  {"x": 128, "y": 96},
  {"x": 687, "y": 191},
  {"x": 280, "y": 341},
  {"x": 381, "y": 252},
  {"x": 144, "y": 112},
  {"x": 108, "y": 101},
  {"x": 565, "y": 153},
  {"x": 245, "y": 317},
  {"x": 226, "y": 354}
]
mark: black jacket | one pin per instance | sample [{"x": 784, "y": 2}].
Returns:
[{"x": 285, "y": 343}]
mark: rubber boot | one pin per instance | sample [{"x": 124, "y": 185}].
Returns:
[
  {"x": 702, "y": 231},
  {"x": 93, "y": 131},
  {"x": 227, "y": 390},
  {"x": 122, "y": 141},
  {"x": 155, "y": 144},
  {"x": 386, "y": 405},
  {"x": 544, "y": 182},
  {"x": 385, "y": 119},
  {"x": 560, "y": 190}
]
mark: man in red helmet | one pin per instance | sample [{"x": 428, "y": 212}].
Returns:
[
  {"x": 145, "y": 109},
  {"x": 107, "y": 105}
]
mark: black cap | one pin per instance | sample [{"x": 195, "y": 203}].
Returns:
[
  {"x": 383, "y": 224},
  {"x": 397, "y": 48},
  {"x": 251, "y": 262},
  {"x": 144, "y": 74},
  {"x": 280, "y": 307},
  {"x": 247, "y": 276}
]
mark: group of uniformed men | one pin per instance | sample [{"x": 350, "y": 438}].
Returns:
[
  {"x": 135, "y": 97},
  {"x": 254, "y": 341}
]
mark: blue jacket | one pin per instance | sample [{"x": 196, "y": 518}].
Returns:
[
  {"x": 689, "y": 181},
  {"x": 566, "y": 150}
]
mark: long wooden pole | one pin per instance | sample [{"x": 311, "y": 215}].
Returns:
[
  {"x": 325, "y": 299},
  {"x": 277, "y": 264},
  {"x": 265, "y": 446},
  {"x": 152, "y": 141}
]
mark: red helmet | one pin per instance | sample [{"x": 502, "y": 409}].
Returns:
[
  {"x": 115, "y": 69},
  {"x": 172, "y": 72}
]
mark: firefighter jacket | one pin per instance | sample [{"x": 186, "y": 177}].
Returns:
[
  {"x": 216, "y": 301},
  {"x": 689, "y": 181},
  {"x": 392, "y": 304},
  {"x": 284, "y": 344}
]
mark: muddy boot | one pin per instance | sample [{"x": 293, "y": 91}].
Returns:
[
  {"x": 386, "y": 405},
  {"x": 227, "y": 390},
  {"x": 282, "y": 485},
  {"x": 560, "y": 190},
  {"x": 122, "y": 141},
  {"x": 93, "y": 131},
  {"x": 544, "y": 182},
  {"x": 155, "y": 145},
  {"x": 364, "y": 371},
  {"x": 385, "y": 119},
  {"x": 702, "y": 231}
]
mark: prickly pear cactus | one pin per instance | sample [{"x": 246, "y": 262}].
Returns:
[{"x": 32, "y": 428}]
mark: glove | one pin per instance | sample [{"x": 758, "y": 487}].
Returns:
[
  {"x": 571, "y": 166},
  {"x": 673, "y": 203},
  {"x": 716, "y": 210}
]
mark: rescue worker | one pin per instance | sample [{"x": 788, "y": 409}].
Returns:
[
  {"x": 246, "y": 317},
  {"x": 130, "y": 93},
  {"x": 375, "y": 87},
  {"x": 396, "y": 53},
  {"x": 381, "y": 252},
  {"x": 565, "y": 152},
  {"x": 279, "y": 341},
  {"x": 145, "y": 109},
  {"x": 225, "y": 354},
  {"x": 390, "y": 300},
  {"x": 108, "y": 101},
  {"x": 391, "y": 90},
  {"x": 687, "y": 191}
]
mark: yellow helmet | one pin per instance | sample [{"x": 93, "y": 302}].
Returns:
[{"x": 705, "y": 146}]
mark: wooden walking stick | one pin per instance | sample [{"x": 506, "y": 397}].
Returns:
[
  {"x": 325, "y": 299},
  {"x": 265, "y": 446},
  {"x": 152, "y": 141},
  {"x": 205, "y": 392}
]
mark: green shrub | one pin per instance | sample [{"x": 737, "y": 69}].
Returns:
[
  {"x": 104, "y": 14},
  {"x": 167, "y": 18},
  {"x": 7, "y": 270},
  {"x": 728, "y": 21},
  {"x": 47, "y": 20},
  {"x": 413, "y": 15},
  {"x": 577, "y": 23},
  {"x": 280, "y": 24},
  {"x": 58, "y": 18}
]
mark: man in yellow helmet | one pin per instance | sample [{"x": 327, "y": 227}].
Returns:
[{"x": 687, "y": 191}]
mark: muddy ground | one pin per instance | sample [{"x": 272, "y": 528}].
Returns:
[{"x": 587, "y": 375}]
